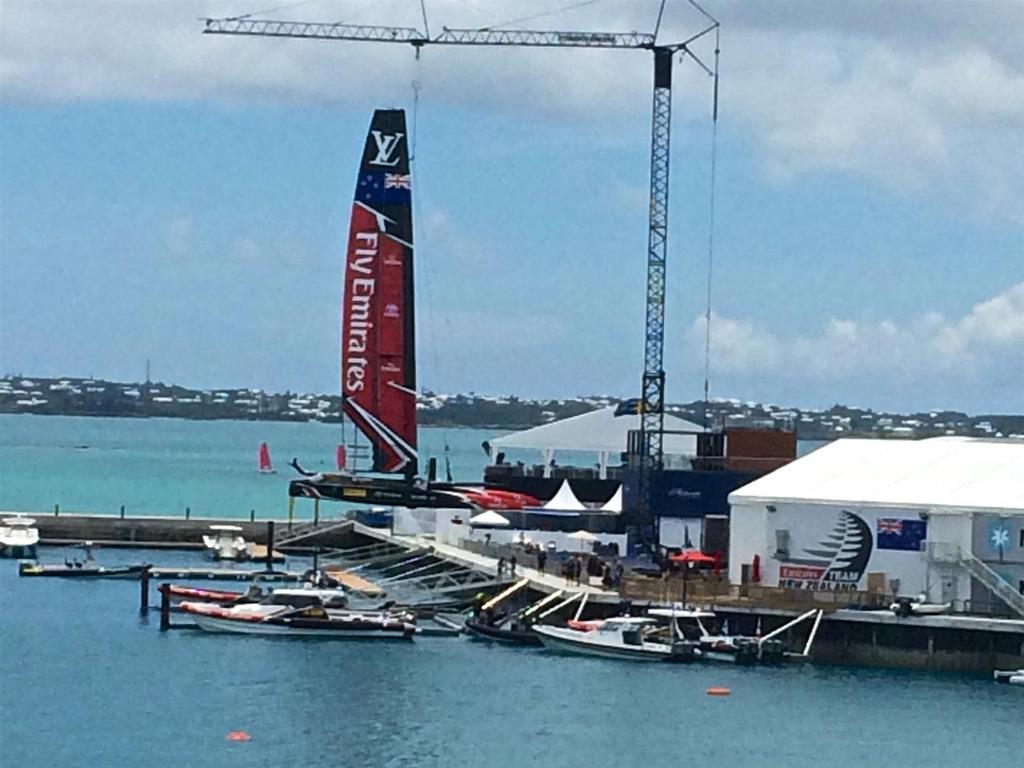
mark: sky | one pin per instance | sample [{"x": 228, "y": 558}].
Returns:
[{"x": 184, "y": 198}]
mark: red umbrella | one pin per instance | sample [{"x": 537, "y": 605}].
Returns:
[{"x": 692, "y": 556}]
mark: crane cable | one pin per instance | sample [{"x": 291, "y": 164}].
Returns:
[{"x": 711, "y": 235}]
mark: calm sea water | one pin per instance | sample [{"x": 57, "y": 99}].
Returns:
[
  {"x": 88, "y": 683},
  {"x": 84, "y": 681},
  {"x": 162, "y": 466}
]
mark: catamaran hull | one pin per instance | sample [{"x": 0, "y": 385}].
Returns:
[
  {"x": 286, "y": 628},
  {"x": 498, "y": 635}
]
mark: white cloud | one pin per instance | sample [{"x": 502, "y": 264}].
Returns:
[
  {"x": 985, "y": 341},
  {"x": 918, "y": 96}
]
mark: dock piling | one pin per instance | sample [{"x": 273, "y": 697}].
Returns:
[
  {"x": 165, "y": 607},
  {"x": 56, "y": 510},
  {"x": 252, "y": 515},
  {"x": 270, "y": 545},
  {"x": 188, "y": 512},
  {"x": 144, "y": 590},
  {"x": 122, "y": 511}
]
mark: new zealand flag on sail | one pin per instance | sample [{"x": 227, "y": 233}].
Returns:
[
  {"x": 905, "y": 535},
  {"x": 379, "y": 188}
]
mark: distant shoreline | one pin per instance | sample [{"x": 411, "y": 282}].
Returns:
[{"x": 96, "y": 398}]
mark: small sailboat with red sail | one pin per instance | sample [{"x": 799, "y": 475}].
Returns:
[
  {"x": 264, "y": 467},
  {"x": 378, "y": 334}
]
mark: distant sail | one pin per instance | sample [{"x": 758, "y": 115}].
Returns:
[
  {"x": 340, "y": 457},
  {"x": 264, "y": 458},
  {"x": 378, "y": 365}
]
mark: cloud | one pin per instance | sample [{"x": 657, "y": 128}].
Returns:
[
  {"x": 987, "y": 341},
  {"x": 921, "y": 97}
]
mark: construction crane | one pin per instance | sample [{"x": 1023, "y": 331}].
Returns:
[{"x": 648, "y": 447}]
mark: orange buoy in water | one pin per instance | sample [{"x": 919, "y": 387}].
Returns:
[
  {"x": 238, "y": 736},
  {"x": 718, "y": 691}
]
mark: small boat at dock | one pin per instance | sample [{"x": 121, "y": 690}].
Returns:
[
  {"x": 299, "y": 613},
  {"x": 733, "y": 649},
  {"x": 82, "y": 571},
  {"x": 227, "y": 543},
  {"x": 512, "y": 633},
  {"x": 1011, "y": 676},
  {"x": 625, "y": 637},
  {"x": 19, "y": 537}
]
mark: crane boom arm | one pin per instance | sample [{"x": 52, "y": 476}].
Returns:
[{"x": 412, "y": 36}]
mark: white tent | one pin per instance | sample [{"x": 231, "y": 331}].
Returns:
[
  {"x": 614, "y": 504},
  {"x": 583, "y": 537},
  {"x": 599, "y": 431},
  {"x": 490, "y": 517},
  {"x": 938, "y": 473},
  {"x": 565, "y": 500}
]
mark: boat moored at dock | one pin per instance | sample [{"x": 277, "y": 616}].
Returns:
[
  {"x": 300, "y": 613},
  {"x": 1011, "y": 676},
  {"x": 19, "y": 537},
  {"x": 227, "y": 543},
  {"x": 733, "y": 649},
  {"x": 625, "y": 637}
]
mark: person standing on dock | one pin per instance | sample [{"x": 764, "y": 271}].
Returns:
[
  {"x": 501, "y": 566},
  {"x": 512, "y": 566},
  {"x": 542, "y": 558}
]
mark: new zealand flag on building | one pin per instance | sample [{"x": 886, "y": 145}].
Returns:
[
  {"x": 629, "y": 407},
  {"x": 906, "y": 535}
]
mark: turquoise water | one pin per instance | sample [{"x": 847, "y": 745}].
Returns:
[
  {"x": 162, "y": 466},
  {"x": 87, "y": 683},
  {"x": 84, "y": 681}
]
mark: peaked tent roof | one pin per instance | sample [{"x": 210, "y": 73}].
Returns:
[
  {"x": 614, "y": 504},
  {"x": 565, "y": 499},
  {"x": 935, "y": 473},
  {"x": 599, "y": 430},
  {"x": 490, "y": 517}
]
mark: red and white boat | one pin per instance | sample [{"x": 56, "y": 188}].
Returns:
[
  {"x": 263, "y": 460},
  {"x": 299, "y": 613}
]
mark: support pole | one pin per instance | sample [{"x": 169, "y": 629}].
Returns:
[
  {"x": 537, "y": 606},
  {"x": 270, "y": 546},
  {"x": 814, "y": 633},
  {"x": 165, "y": 607},
  {"x": 507, "y": 593},
  {"x": 291, "y": 511},
  {"x": 561, "y": 605},
  {"x": 579, "y": 611},
  {"x": 787, "y": 625},
  {"x": 144, "y": 577}
]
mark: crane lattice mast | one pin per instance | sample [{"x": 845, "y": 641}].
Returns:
[{"x": 652, "y": 403}]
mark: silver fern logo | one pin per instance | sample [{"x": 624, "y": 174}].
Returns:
[{"x": 836, "y": 562}]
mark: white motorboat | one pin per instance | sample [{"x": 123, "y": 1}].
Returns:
[
  {"x": 299, "y": 613},
  {"x": 634, "y": 638},
  {"x": 227, "y": 543},
  {"x": 734, "y": 649},
  {"x": 18, "y": 537},
  {"x": 1011, "y": 676},
  {"x": 906, "y": 606}
]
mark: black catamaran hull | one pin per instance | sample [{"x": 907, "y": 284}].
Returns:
[
  {"x": 375, "y": 491},
  {"x": 499, "y": 635}
]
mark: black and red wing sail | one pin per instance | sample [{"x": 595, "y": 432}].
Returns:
[{"x": 378, "y": 365}]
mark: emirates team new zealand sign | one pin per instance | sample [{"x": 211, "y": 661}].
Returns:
[{"x": 838, "y": 561}]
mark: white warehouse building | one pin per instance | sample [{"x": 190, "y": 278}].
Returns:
[{"x": 942, "y": 516}]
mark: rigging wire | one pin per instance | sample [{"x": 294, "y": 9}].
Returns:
[
  {"x": 520, "y": 20},
  {"x": 711, "y": 235},
  {"x": 429, "y": 267}
]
